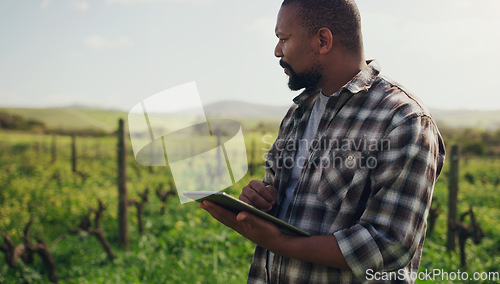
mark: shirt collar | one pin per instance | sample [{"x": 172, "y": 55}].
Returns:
[
  {"x": 361, "y": 82},
  {"x": 364, "y": 79},
  {"x": 305, "y": 95}
]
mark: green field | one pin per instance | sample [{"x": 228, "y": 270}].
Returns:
[{"x": 183, "y": 245}]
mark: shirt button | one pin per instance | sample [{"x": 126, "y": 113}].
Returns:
[{"x": 350, "y": 163}]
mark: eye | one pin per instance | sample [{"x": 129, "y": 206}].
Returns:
[{"x": 283, "y": 37}]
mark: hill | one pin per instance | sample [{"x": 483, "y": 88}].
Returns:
[
  {"x": 249, "y": 114},
  {"x": 81, "y": 118},
  {"x": 239, "y": 109},
  {"x": 483, "y": 119}
]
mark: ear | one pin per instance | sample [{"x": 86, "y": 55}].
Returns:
[{"x": 325, "y": 37}]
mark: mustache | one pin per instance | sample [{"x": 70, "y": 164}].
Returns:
[{"x": 285, "y": 65}]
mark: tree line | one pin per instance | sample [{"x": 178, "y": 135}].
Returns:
[
  {"x": 16, "y": 122},
  {"x": 473, "y": 141}
]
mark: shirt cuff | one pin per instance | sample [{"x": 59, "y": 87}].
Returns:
[{"x": 359, "y": 249}]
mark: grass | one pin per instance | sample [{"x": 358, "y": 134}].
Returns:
[
  {"x": 184, "y": 245},
  {"x": 182, "y": 241},
  {"x": 483, "y": 196}
]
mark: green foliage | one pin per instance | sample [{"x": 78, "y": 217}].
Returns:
[
  {"x": 474, "y": 141},
  {"x": 483, "y": 196},
  {"x": 185, "y": 245},
  {"x": 475, "y": 148}
]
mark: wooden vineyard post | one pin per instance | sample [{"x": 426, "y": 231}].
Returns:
[
  {"x": 122, "y": 188},
  {"x": 433, "y": 215},
  {"x": 97, "y": 149},
  {"x": 452, "y": 199},
  {"x": 53, "y": 149},
  {"x": 73, "y": 153},
  {"x": 251, "y": 167},
  {"x": 84, "y": 148}
]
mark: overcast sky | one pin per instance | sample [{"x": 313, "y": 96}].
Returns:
[{"x": 115, "y": 53}]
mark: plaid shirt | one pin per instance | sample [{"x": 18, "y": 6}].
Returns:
[{"x": 368, "y": 180}]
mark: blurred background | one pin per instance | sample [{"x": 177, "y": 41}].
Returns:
[{"x": 71, "y": 70}]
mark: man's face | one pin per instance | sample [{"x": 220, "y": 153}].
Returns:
[{"x": 295, "y": 49}]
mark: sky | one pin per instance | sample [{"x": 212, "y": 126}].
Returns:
[{"x": 115, "y": 53}]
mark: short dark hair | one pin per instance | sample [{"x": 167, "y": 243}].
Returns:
[{"x": 340, "y": 16}]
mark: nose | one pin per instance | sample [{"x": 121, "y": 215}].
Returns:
[{"x": 278, "y": 52}]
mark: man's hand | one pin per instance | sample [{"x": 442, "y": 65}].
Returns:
[
  {"x": 254, "y": 228},
  {"x": 318, "y": 249},
  {"x": 259, "y": 194}
]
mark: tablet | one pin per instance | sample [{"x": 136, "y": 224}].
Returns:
[{"x": 236, "y": 206}]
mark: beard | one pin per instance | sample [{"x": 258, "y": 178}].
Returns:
[{"x": 308, "y": 79}]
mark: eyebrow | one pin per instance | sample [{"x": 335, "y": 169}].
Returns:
[{"x": 278, "y": 34}]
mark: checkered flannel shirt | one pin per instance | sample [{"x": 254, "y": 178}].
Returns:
[{"x": 368, "y": 180}]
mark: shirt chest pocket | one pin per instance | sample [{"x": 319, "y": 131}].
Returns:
[{"x": 343, "y": 174}]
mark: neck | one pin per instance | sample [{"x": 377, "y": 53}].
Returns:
[{"x": 336, "y": 75}]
